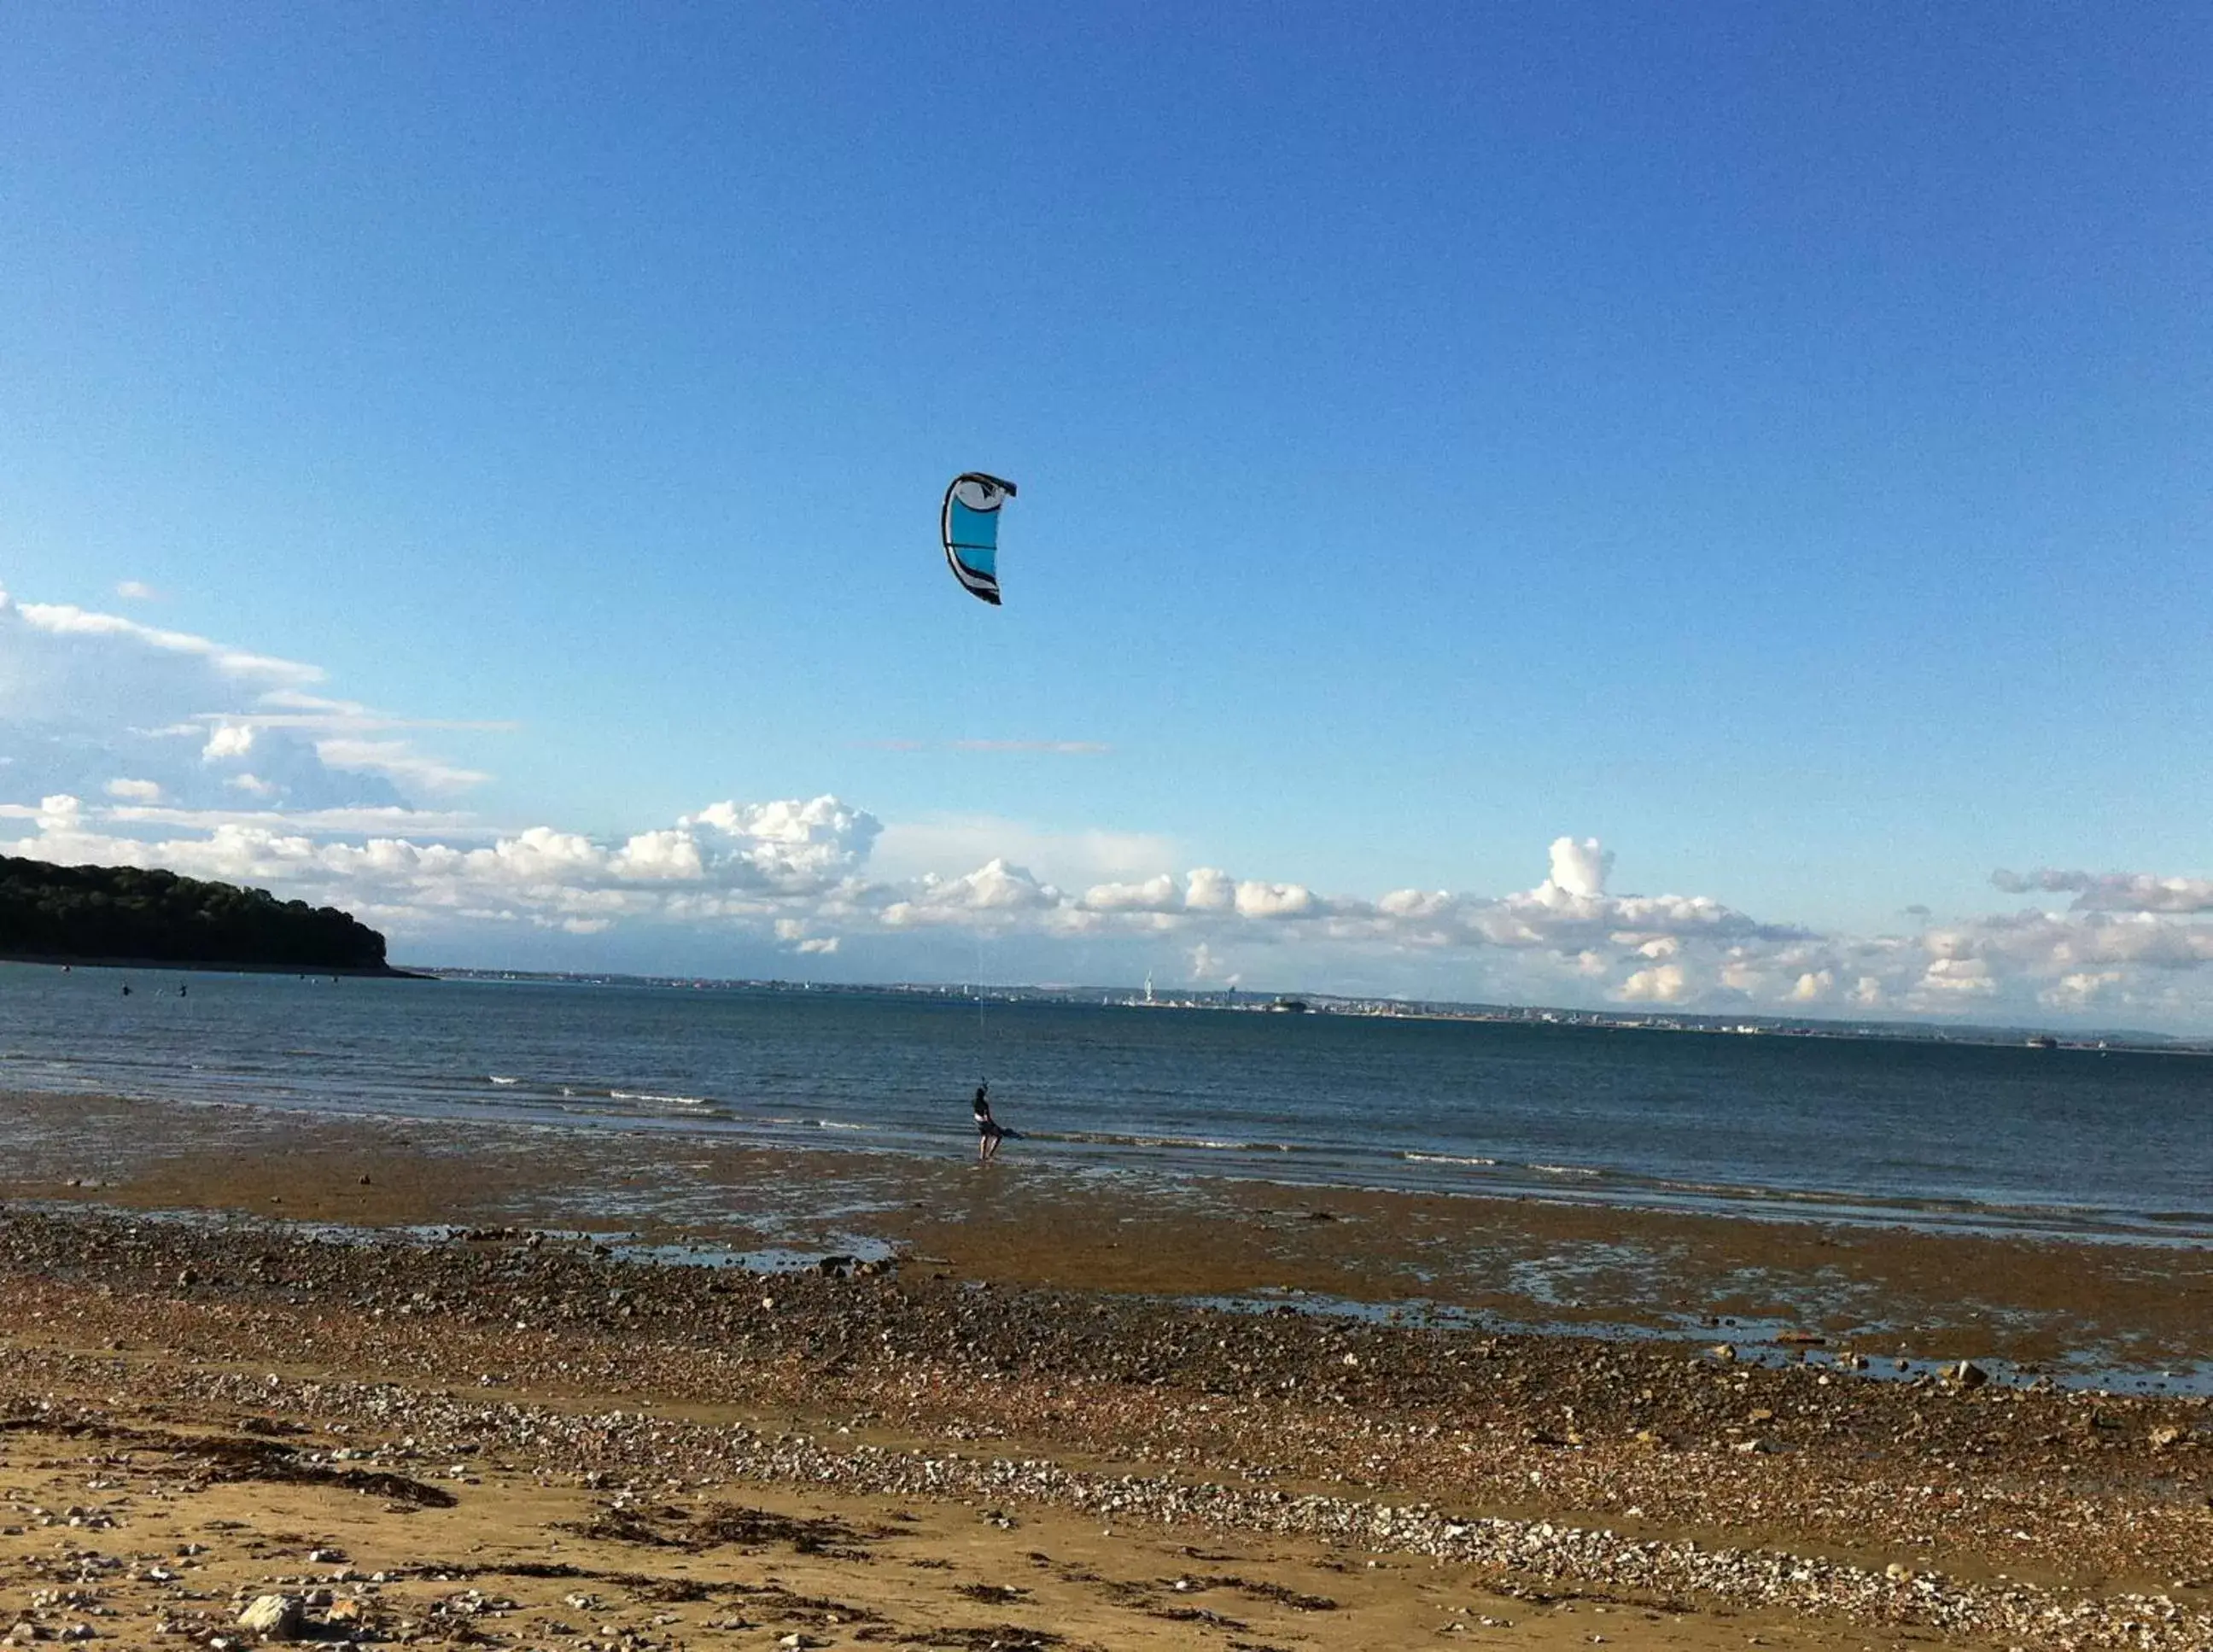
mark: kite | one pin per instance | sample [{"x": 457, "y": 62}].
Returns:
[{"x": 971, "y": 528}]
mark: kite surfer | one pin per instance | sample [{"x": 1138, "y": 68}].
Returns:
[{"x": 988, "y": 1133}]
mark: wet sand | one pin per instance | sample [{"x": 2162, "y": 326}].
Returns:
[
  {"x": 2084, "y": 1307},
  {"x": 1005, "y": 1434}
]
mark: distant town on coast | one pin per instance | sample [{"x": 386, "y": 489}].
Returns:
[{"x": 1248, "y": 1001}]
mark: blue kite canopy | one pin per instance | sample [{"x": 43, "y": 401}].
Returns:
[{"x": 970, "y": 525}]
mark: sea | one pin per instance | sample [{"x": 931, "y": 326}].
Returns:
[{"x": 2084, "y": 1144}]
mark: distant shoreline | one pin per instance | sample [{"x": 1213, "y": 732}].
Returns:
[
  {"x": 2114, "y": 1041},
  {"x": 384, "y": 972}
]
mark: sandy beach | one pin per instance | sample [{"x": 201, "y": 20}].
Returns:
[{"x": 445, "y": 1387}]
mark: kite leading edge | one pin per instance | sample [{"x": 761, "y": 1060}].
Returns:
[{"x": 970, "y": 525}]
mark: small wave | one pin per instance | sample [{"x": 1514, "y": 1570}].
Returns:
[
  {"x": 1729, "y": 1190},
  {"x": 501, "y": 1080},
  {"x": 1444, "y": 1158},
  {"x": 1198, "y": 1144},
  {"x": 1584, "y": 1171},
  {"x": 659, "y": 1100}
]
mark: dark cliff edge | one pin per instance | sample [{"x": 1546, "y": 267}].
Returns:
[{"x": 146, "y": 918}]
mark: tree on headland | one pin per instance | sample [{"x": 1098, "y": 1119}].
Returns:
[{"x": 87, "y": 914}]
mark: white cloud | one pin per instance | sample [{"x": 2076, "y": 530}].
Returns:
[
  {"x": 400, "y": 760},
  {"x": 65, "y": 621},
  {"x": 1415, "y": 904},
  {"x": 1255, "y": 899},
  {"x": 2043, "y": 943},
  {"x": 1961, "y": 977},
  {"x": 1210, "y": 890},
  {"x": 2080, "y": 990},
  {"x": 132, "y": 590},
  {"x": 672, "y": 855},
  {"x": 372, "y": 819},
  {"x": 1813, "y": 986},
  {"x": 360, "y": 722},
  {"x": 791, "y": 843},
  {"x": 1155, "y": 894},
  {"x": 85, "y": 697},
  {"x": 1075, "y": 859},
  {"x": 1567, "y": 913},
  {"x": 1208, "y": 970},
  {"x": 1580, "y": 867},
  {"x": 1740, "y": 974},
  {"x": 2115, "y": 892},
  {"x": 134, "y": 791},
  {"x": 1664, "y": 984},
  {"x": 994, "y": 892}
]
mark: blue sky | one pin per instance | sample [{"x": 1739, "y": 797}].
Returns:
[{"x": 1774, "y": 445}]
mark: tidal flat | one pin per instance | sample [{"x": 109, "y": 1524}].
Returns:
[{"x": 967, "y": 1408}]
